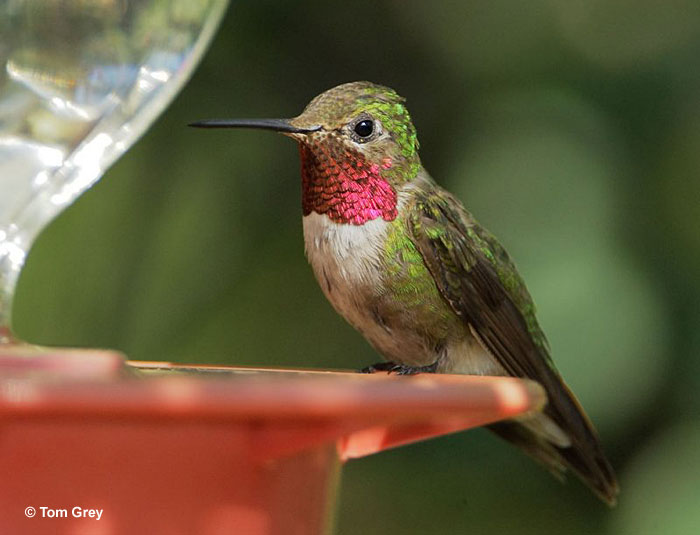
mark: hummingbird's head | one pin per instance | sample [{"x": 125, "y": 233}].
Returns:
[
  {"x": 357, "y": 145},
  {"x": 362, "y": 122}
]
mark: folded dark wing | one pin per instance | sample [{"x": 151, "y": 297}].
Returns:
[{"x": 479, "y": 281}]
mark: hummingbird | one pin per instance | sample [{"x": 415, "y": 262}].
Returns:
[{"x": 404, "y": 262}]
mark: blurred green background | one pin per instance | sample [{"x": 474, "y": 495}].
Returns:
[{"x": 571, "y": 130}]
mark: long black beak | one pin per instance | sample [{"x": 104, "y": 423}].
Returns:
[{"x": 278, "y": 125}]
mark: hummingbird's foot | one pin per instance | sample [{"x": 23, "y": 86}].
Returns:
[
  {"x": 380, "y": 367},
  {"x": 400, "y": 369}
]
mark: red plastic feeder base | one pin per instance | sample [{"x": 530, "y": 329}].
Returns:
[{"x": 165, "y": 449}]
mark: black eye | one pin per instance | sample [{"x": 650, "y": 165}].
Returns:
[{"x": 364, "y": 128}]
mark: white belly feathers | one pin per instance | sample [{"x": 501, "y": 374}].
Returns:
[{"x": 350, "y": 252}]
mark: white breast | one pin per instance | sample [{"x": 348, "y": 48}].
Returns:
[
  {"x": 346, "y": 261},
  {"x": 347, "y": 253}
]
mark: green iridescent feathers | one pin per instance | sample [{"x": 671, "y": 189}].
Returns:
[{"x": 412, "y": 285}]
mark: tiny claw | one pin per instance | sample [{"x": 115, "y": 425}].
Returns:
[
  {"x": 405, "y": 370},
  {"x": 400, "y": 369},
  {"x": 380, "y": 367}
]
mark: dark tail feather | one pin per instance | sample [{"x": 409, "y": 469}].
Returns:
[{"x": 584, "y": 457}]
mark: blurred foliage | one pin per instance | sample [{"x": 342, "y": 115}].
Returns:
[{"x": 571, "y": 129}]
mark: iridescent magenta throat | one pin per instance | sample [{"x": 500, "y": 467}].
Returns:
[{"x": 345, "y": 187}]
